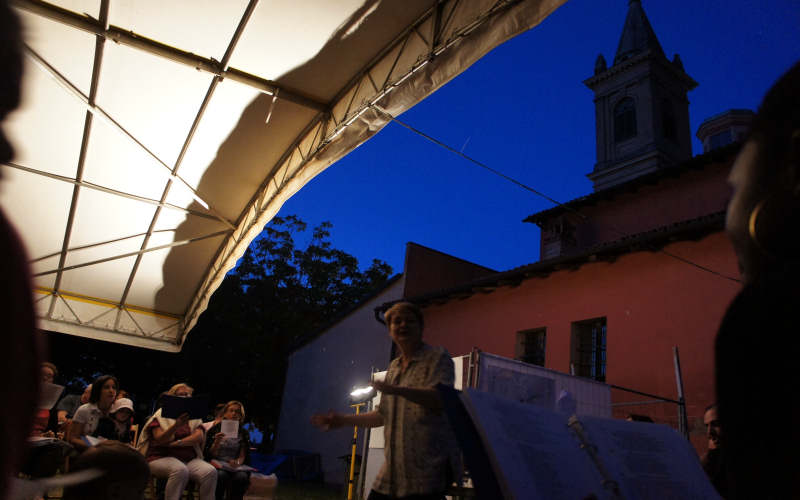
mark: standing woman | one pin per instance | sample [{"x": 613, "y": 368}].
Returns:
[
  {"x": 233, "y": 452},
  {"x": 756, "y": 397},
  {"x": 86, "y": 418},
  {"x": 174, "y": 451}
]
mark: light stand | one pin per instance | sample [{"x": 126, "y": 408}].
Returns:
[{"x": 358, "y": 398}]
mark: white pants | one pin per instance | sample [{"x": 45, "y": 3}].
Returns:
[{"x": 178, "y": 474}]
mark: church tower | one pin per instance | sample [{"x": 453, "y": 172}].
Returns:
[{"x": 641, "y": 107}]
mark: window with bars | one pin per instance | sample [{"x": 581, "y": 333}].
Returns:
[
  {"x": 530, "y": 346},
  {"x": 588, "y": 349},
  {"x": 624, "y": 120}
]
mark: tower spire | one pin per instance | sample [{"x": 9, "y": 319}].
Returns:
[{"x": 637, "y": 34}]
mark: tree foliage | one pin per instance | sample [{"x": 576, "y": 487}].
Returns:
[{"x": 278, "y": 297}]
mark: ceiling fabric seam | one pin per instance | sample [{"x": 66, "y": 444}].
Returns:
[
  {"x": 190, "y": 135},
  {"x": 130, "y": 39},
  {"x": 131, "y": 254},
  {"x": 87, "y": 131},
  {"x": 99, "y": 111},
  {"x": 108, "y": 190},
  {"x": 83, "y": 247}
]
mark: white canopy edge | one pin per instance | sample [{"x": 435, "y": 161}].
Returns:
[{"x": 438, "y": 46}]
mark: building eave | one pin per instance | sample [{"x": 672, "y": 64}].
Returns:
[{"x": 653, "y": 240}]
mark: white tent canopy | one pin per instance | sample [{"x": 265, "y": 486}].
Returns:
[{"x": 157, "y": 138}]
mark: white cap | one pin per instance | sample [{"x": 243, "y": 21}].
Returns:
[{"x": 120, "y": 404}]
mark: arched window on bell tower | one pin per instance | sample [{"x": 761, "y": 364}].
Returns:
[{"x": 624, "y": 120}]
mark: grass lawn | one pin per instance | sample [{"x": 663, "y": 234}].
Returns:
[{"x": 308, "y": 491}]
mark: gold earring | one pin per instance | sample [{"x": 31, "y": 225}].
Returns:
[{"x": 752, "y": 221}]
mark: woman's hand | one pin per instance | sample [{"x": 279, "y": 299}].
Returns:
[
  {"x": 327, "y": 422},
  {"x": 218, "y": 437}
]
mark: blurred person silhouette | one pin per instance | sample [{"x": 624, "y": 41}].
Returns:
[
  {"x": 753, "y": 376},
  {"x": 19, "y": 365},
  {"x": 125, "y": 473}
]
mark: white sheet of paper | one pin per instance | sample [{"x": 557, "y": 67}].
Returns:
[
  {"x": 48, "y": 395},
  {"x": 534, "y": 453},
  {"x": 649, "y": 460},
  {"x": 230, "y": 428}
]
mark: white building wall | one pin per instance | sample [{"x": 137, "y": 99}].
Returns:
[{"x": 320, "y": 376}]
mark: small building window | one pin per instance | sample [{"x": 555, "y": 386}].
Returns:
[
  {"x": 624, "y": 120},
  {"x": 588, "y": 349},
  {"x": 530, "y": 346},
  {"x": 668, "y": 120}
]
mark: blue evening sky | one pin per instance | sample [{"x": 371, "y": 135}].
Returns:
[{"x": 523, "y": 110}]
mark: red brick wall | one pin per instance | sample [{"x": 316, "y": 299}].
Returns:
[{"x": 652, "y": 302}]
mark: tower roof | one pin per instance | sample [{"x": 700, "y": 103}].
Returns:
[{"x": 637, "y": 34}]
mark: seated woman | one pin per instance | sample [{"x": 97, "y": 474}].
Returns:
[
  {"x": 173, "y": 449},
  {"x": 117, "y": 426},
  {"x": 45, "y": 456},
  {"x": 87, "y": 417},
  {"x": 230, "y": 453}
]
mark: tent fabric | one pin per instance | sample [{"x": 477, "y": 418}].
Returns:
[{"x": 156, "y": 140}]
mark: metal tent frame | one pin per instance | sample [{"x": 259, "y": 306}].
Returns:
[{"x": 437, "y": 41}]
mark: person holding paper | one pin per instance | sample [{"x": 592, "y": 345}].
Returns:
[
  {"x": 228, "y": 449},
  {"x": 173, "y": 449},
  {"x": 421, "y": 454},
  {"x": 46, "y": 453},
  {"x": 84, "y": 423}
]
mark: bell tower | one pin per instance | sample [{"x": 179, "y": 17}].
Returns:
[{"x": 641, "y": 106}]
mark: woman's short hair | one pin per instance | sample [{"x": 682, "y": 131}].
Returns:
[
  {"x": 172, "y": 390},
  {"x": 231, "y": 403},
  {"x": 97, "y": 387},
  {"x": 405, "y": 306}
]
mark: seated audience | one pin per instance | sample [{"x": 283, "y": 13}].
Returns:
[
  {"x": 751, "y": 377},
  {"x": 173, "y": 449},
  {"x": 231, "y": 452},
  {"x": 87, "y": 417},
  {"x": 117, "y": 426}
]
